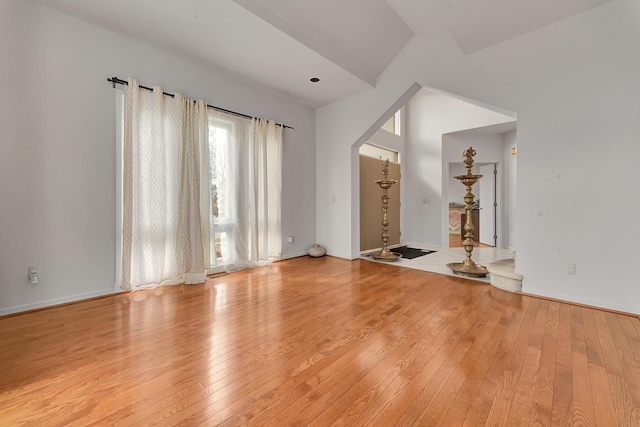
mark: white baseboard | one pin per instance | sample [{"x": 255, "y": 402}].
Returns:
[
  {"x": 295, "y": 255},
  {"x": 52, "y": 302},
  {"x": 369, "y": 251},
  {"x": 579, "y": 300}
]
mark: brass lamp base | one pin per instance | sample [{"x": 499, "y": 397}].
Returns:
[
  {"x": 474, "y": 270},
  {"x": 386, "y": 255}
]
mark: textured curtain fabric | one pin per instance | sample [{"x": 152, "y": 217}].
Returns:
[
  {"x": 266, "y": 160},
  {"x": 254, "y": 173},
  {"x": 166, "y": 199}
]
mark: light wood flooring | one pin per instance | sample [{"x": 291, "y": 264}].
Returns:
[{"x": 321, "y": 342}]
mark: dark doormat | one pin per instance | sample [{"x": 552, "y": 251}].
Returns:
[{"x": 410, "y": 253}]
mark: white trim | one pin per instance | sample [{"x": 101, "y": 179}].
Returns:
[
  {"x": 572, "y": 299},
  {"x": 344, "y": 256},
  {"x": 294, "y": 255},
  {"x": 57, "y": 301}
]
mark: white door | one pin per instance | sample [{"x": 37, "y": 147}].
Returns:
[{"x": 488, "y": 206}]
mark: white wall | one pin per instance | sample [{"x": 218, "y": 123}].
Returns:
[
  {"x": 337, "y": 222},
  {"x": 430, "y": 116},
  {"x": 57, "y": 149},
  {"x": 510, "y": 189},
  {"x": 575, "y": 87}
]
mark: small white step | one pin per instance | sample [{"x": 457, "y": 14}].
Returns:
[{"x": 503, "y": 275}]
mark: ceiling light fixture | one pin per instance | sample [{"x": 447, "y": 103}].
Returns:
[{"x": 314, "y": 80}]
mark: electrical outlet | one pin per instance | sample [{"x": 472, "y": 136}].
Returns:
[
  {"x": 571, "y": 268},
  {"x": 33, "y": 275}
]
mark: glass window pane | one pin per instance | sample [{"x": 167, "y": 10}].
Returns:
[
  {"x": 219, "y": 157},
  {"x": 379, "y": 153},
  {"x": 390, "y": 125},
  {"x": 221, "y": 245}
]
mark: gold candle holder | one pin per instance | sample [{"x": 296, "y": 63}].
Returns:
[
  {"x": 385, "y": 254},
  {"x": 468, "y": 267}
]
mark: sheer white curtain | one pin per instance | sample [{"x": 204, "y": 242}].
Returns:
[
  {"x": 201, "y": 190},
  {"x": 166, "y": 181},
  {"x": 266, "y": 160},
  {"x": 252, "y": 172}
]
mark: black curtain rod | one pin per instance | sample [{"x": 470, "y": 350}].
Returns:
[{"x": 116, "y": 80}]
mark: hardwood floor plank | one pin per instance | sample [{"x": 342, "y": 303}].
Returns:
[
  {"x": 626, "y": 413},
  {"x": 461, "y": 366},
  {"x": 430, "y": 392},
  {"x": 562, "y": 403},
  {"x": 631, "y": 333},
  {"x": 320, "y": 342},
  {"x": 603, "y": 407},
  {"x": 609, "y": 352},
  {"x": 524, "y": 392},
  {"x": 541, "y": 410},
  {"x": 501, "y": 407},
  {"x": 592, "y": 341},
  {"x": 485, "y": 395},
  {"x": 627, "y": 359},
  {"x": 582, "y": 405}
]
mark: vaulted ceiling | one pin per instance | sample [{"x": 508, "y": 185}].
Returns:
[{"x": 281, "y": 44}]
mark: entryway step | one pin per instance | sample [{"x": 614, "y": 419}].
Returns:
[{"x": 503, "y": 275}]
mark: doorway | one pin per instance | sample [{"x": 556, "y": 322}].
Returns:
[
  {"x": 371, "y": 158},
  {"x": 485, "y": 215}
]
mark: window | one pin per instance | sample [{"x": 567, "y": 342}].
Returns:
[
  {"x": 194, "y": 204},
  {"x": 222, "y": 253},
  {"x": 223, "y": 210},
  {"x": 371, "y": 150},
  {"x": 393, "y": 124}
]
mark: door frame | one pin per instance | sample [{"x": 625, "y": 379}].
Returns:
[
  {"x": 488, "y": 179},
  {"x": 500, "y": 200},
  {"x": 396, "y": 220}
]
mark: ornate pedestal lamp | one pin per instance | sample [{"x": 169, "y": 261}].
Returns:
[
  {"x": 385, "y": 254},
  {"x": 468, "y": 267}
]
